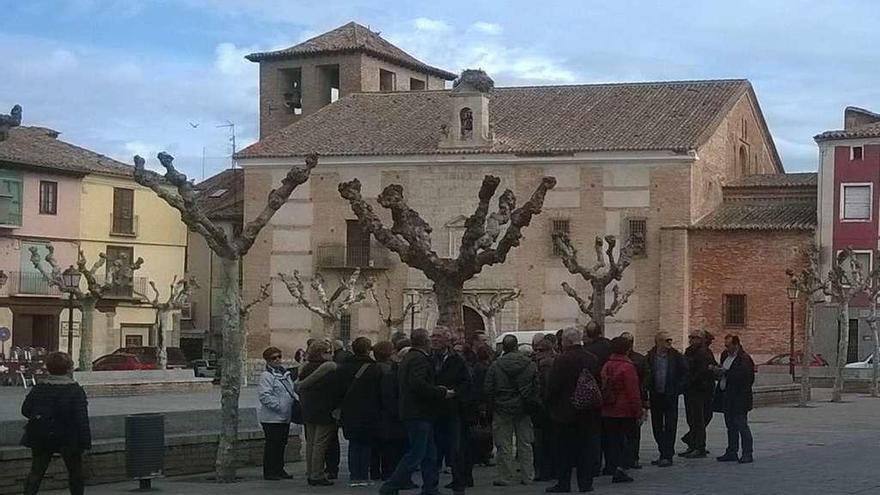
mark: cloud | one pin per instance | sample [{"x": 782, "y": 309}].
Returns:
[
  {"x": 487, "y": 28},
  {"x": 432, "y": 25}
]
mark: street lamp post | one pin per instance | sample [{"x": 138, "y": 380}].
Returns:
[
  {"x": 70, "y": 281},
  {"x": 792, "y": 291}
]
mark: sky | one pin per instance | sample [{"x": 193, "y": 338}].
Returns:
[{"x": 125, "y": 77}]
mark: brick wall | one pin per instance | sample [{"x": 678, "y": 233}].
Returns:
[{"x": 751, "y": 263}]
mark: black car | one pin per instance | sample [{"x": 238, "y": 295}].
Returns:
[{"x": 176, "y": 358}]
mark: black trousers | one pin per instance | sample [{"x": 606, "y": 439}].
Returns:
[
  {"x": 695, "y": 411},
  {"x": 386, "y": 455},
  {"x": 273, "y": 449},
  {"x": 633, "y": 443},
  {"x": 40, "y": 462},
  {"x": 545, "y": 451},
  {"x": 577, "y": 450},
  {"x": 708, "y": 407},
  {"x": 617, "y": 450},
  {"x": 331, "y": 458},
  {"x": 664, "y": 421}
]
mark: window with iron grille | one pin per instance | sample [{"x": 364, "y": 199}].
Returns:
[
  {"x": 559, "y": 225},
  {"x": 48, "y": 197},
  {"x": 345, "y": 327},
  {"x": 638, "y": 234},
  {"x": 734, "y": 310}
]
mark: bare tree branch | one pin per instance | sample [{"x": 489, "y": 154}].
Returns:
[{"x": 265, "y": 293}]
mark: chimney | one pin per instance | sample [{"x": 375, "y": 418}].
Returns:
[
  {"x": 9, "y": 121},
  {"x": 856, "y": 117},
  {"x": 468, "y": 125}
]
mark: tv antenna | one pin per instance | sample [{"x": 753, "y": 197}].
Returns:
[{"x": 231, "y": 126}]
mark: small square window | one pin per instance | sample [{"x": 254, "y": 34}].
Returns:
[
  {"x": 856, "y": 202},
  {"x": 416, "y": 84},
  {"x": 855, "y": 153},
  {"x": 387, "y": 80},
  {"x": 48, "y": 197},
  {"x": 638, "y": 233},
  {"x": 734, "y": 310},
  {"x": 559, "y": 225}
]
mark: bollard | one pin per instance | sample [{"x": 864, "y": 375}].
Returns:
[{"x": 144, "y": 447}]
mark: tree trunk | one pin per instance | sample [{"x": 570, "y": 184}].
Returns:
[
  {"x": 328, "y": 330},
  {"x": 842, "y": 348},
  {"x": 806, "y": 386},
  {"x": 162, "y": 351},
  {"x": 875, "y": 331},
  {"x": 599, "y": 305},
  {"x": 230, "y": 379},
  {"x": 492, "y": 328},
  {"x": 87, "y": 306},
  {"x": 450, "y": 299}
]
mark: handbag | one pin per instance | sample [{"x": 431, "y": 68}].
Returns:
[
  {"x": 296, "y": 412},
  {"x": 586, "y": 394}
]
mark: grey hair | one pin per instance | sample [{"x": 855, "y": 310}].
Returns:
[
  {"x": 571, "y": 336},
  {"x": 628, "y": 336}
]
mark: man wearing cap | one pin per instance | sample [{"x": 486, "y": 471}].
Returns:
[{"x": 700, "y": 383}]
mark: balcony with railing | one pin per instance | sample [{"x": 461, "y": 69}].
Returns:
[
  {"x": 137, "y": 285},
  {"x": 341, "y": 256},
  {"x": 29, "y": 284},
  {"x": 123, "y": 226}
]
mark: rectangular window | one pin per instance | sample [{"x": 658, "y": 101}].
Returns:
[
  {"x": 48, "y": 197},
  {"x": 864, "y": 261},
  {"x": 855, "y": 202},
  {"x": 345, "y": 327},
  {"x": 387, "y": 80},
  {"x": 416, "y": 84},
  {"x": 734, "y": 310},
  {"x": 134, "y": 340},
  {"x": 638, "y": 234},
  {"x": 123, "y": 211},
  {"x": 126, "y": 254},
  {"x": 855, "y": 153},
  {"x": 559, "y": 225},
  {"x": 10, "y": 199}
]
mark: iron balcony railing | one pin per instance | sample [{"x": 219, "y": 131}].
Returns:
[
  {"x": 29, "y": 284},
  {"x": 343, "y": 256},
  {"x": 138, "y": 285}
]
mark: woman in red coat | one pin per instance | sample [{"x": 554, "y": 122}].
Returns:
[{"x": 622, "y": 407}]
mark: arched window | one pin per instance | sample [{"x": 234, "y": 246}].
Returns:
[
  {"x": 743, "y": 162},
  {"x": 467, "y": 123}
]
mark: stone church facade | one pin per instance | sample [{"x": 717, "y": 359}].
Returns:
[{"x": 650, "y": 158}]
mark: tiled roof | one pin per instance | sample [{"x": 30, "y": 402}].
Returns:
[
  {"x": 352, "y": 37},
  {"x": 222, "y": 196},
  {"x": 862, "y": 131},
  {"x": 40, "y": 147},
  {"x": 805, "y": 179},
  {"x": 676, "y": 116},
  {"x": 762, "y": 214}
]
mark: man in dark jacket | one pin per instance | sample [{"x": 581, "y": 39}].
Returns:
[
  {"x": 737, "y": 375},
  {"x": 510, "y": 383},
  {"x": 360, "y": 384},
  {"x": 669, "y": 379},
  {"x": 634, "y": 439},
  {"x": 420, "y": 397},
  {"x": 596, "y": 343},
  {"x": 545, "y": 446},
  {"x": 577, "y": 430},
  {"x": 701, "y": 382},
  {"x": 340, "y": 355},
  {"x": 58, "y": 422},
  {"x": 452, "y": 373}
]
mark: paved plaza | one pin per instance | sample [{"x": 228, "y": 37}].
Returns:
[{"x": 827, "y": 449}]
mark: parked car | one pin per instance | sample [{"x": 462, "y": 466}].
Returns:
[
  {"x": 784, "y": 359},
  {"x": 204, "y": 368},
  {"x": 176, "y": 358},
  {"x": 121, "y": 362},
  {"x": 867, "y": 363}
]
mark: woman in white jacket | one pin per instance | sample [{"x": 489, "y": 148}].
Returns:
[{"x": 276, "y": 399}]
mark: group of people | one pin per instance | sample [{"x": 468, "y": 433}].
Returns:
[{"x": 576, "y": 402}]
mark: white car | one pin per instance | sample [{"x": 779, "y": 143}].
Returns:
[{"x": 867, "y": 363}]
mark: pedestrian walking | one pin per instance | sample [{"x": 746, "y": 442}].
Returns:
[
  {"x": 451, "y": 373},
  {"x": 361, "y": 416},
  {"x": 701, "y": 382},
  {"x": 276, "y": 397},
  {"x": 317, "y": 387},
  {"x": 578, "y": 429},
  {"x": 734, "y": 393},
  {"x": 420, "y": 397},
  {"x": 669, "y": 377},
  {"x": 621, "y": 407},
  {"x": 511, "y": 387},
  {"x": 544, "y": 447},
  {"x": 58, "y": 423}
]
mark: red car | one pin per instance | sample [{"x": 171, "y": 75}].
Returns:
[
  {"x": 783, "y": 360},
  {"x": 121, "y": 362}
]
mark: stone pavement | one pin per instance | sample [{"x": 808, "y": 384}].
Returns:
[{"x": 827, "y": 449}]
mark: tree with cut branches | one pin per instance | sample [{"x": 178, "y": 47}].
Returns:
[
  {"x": 392, "y": 321},
  {"x": 179, "y": 293},
  {"x": 489, "y": 305},
  {"x": 330, "y": 308},
  {"x": 811, "y": 286},
  {"x": 410, "y": 237},
  {"x": 244, "y": 313},
  {"x": 607, "y": 270},
  {"x": 180, "y": 194},
  {"x": 846, "y": 280},
  {"x": 118, "y": 275}
]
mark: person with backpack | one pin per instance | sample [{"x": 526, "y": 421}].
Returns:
[
  {"x": 360, "y": 381},
  {"x": 58, "y": 423},
  {"x": 573, "y": 402},
  {"x": 621, "y": 407},
  {"x": 511, "y": 386},
  {"x": 276, "y": 402}
]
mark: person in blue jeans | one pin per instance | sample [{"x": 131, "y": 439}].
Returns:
[
  {"x": 420, "y": 397},
  {"x": 734, "y": 398}
]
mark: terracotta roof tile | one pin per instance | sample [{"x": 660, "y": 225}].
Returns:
[
  {"x": 777, "y": 180},
  {"x": 222, "y": 196},
  {"x": 766, "y": 214},
  {"x": 675, "y": 116},
  {"x": 352, "y": 37},
  {"x": 40, "y": 147},
  {"x": 862, "y": 131}
]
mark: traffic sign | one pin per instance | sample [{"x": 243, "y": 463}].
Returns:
[{"x": 4, "y": 334}]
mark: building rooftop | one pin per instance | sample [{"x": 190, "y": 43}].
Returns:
[
  {"x": 857, "y": 123},
  {"x": 352, "y": 38},
  {"x": 677, "y": 116},
  {"x": 222, "y": 196},
  {"x": 39, "y": 147},
  {"x": 804, "y": 179}
]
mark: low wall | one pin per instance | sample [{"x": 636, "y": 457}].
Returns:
[
  {"x": 141, "y": 382},
  {"x": 105, "y": 463},
  {"x": 770, "y": 395}
]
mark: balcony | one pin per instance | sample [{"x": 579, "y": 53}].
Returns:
[
  {"x": 29, "y": 284},
  {"x": 123, "y": 226},
  {"x": 340, "y": 256},
  {"x": 127, "y": 291}
]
